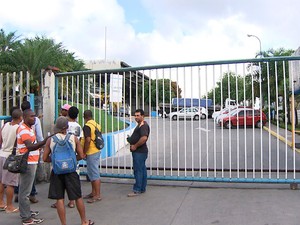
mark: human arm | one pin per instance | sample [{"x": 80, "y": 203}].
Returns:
[
  {"x": 79, "y": 149},
  {"x": 47, "y": 151},
  {"x": 87, "y": 138},
  {"x": 140, "y": 142}
]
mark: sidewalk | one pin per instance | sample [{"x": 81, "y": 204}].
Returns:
[{"x": 184, "y": 204}]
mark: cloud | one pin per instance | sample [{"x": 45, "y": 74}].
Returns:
[{"x": 179, "y": 31}]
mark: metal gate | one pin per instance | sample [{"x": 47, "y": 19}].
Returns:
[{"x": 254, "y": 142}]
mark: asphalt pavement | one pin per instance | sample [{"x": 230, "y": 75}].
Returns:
[{"x": 178, "y": 203}]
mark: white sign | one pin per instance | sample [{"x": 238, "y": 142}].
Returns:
[{"x": 116, "y": 87}]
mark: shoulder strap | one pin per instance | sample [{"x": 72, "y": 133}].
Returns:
[{"x": 62, "y": 142}]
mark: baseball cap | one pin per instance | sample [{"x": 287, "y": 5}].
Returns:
[
  {"x": 61, "y": 124},
  {"x": 66, "y": 107}
]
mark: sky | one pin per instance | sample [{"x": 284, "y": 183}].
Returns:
[{"x": 148, "y": 32}]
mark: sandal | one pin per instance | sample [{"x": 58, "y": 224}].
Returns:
[
  {"x": 3, "y": 208},
  {"x": 91, "y": 222},
  {"x": 88, "y": 196},
  {"x": 53, "y": 206},
  {"x": 92, "y": 200},
  {"x": 71, "y": 205},
  {"x": 13, "y": 211}
]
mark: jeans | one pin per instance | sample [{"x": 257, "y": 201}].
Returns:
[
  {"x": 140, "y": 171},
  {"x": 32, "y": 193},
  {"x": 25, "y": 186},
  {"x": 92, "y": 166}
]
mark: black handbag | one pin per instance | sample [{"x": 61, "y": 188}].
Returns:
[{"x": 16, "y": 163}]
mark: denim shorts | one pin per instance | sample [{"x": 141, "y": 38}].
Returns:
[{"x": 92, "y": 166}]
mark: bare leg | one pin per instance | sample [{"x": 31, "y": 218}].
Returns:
[
  {"x": 9, "y": 198},
  {"x": 2, "y": 204},
  {"x": 96, "y": 188},
  {"x": 61, "y": 211},
  {"x": 81, "y": 210}
]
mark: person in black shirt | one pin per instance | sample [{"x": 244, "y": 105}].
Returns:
[{"x": 139, "y": 150}]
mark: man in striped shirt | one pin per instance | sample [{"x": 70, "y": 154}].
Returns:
[{"x": 26, "y": 141}]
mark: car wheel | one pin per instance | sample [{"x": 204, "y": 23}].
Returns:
[
  {"x": 259, "y": 124},
  {"x": 196, "y": 117},
  {"x": 174, "y": 117},
  {"x": 203, "y": 116},
  {"x": 228, "y": 125}
]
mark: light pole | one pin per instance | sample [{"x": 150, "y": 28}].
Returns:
[{"x": 251, "y": 35}]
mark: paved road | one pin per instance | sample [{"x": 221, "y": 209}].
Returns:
[{"x": 180, "y": 203}]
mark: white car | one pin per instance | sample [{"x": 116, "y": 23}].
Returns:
[
  {"x": 204, "y": 112},
  {"x": 188, "y": 113}
]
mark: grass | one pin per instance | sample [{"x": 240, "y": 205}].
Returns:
[{"x": 108, "y": 122}]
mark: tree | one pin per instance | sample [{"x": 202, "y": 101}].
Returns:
[
  {"x": 162, "y": 90},
  {"x": 226, "y": 88}
]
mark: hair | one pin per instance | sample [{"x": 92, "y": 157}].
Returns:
[
  {"x": 87, "y": 114},
  {"x": 73, "y": 112},
  {"x": 25, "y": 105},
  {"x": 16, "y": 114},
  {"x": 140, "y": 111},
  {"x": 12, "y": 109}
]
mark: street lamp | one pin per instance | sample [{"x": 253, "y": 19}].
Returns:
[{"x": 251, "y": 35}]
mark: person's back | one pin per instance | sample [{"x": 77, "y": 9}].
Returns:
[{"x": 68, "y": 182}]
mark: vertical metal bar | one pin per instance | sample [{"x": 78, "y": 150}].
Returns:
[
  {"x": 157, "y": 134},
  {"x": 177, "y": 124},
  {"x": 237, "y": 131},
  {"x": 253, "y": 137},
  {"x": 192, "y": 120},
  {"x": 214, "y": 124},
  {"x": 1, "y": 93},
  {"x": 199, "y": 133},
  {"x": 261, "y": 128},
  {"x": 171, "y": 131},
  {"x": 269, "y": 102},
  {"x": 222, "y": 126},
  {"x": 245, "y": 130},
  {"x": 27, "y": 83},
  {"x": 206, "y": 133},
  {"x": 72, "y": 90},
  {"x": 7, "y": 93},
  {"x": 150, "y": 104},
  {"x": 285, "y": 118},
  {"x": 62, "y": 91},
  {"x": 106, "y": 119},
  {"x": 14, "y": 88},
  {"x": 21, "y": 88},
  {"x": 230, "y": 134},
  {"x": 185, "y": 132},
  {"x": 67, "y": 89},
  {"x": 277, "y": 119},
  {"x": 164, "y": 124}
]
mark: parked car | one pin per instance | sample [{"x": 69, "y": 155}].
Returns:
[
  {"x": 188, "y": 113},
  {"x": 244, "y": 117},
  {"x": 204, "y": 112}
]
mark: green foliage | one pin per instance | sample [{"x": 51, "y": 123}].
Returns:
[{"x": 161, "y": 90}]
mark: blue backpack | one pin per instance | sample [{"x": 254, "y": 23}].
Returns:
[{"x": 63, "y": 156}]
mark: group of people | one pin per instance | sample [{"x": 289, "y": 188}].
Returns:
[{"x": 21, "y": 133}]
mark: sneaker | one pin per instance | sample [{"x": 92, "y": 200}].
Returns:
[
  {"x": 34, "y": 213},
  {"x": 133, "y": 194},
  {"x": 33, "y": 199},
  {"x": 32, "y": 221}
]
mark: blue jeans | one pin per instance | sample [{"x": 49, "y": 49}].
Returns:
[{"x": 140, "y": 171}]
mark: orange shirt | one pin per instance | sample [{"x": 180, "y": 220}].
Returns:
[{"x": 27, "y": 133}]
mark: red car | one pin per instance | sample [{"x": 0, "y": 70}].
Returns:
[{"x": 245, "y": 116}]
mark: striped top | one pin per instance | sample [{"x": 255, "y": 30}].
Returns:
[{"x": 27, "y": 133}]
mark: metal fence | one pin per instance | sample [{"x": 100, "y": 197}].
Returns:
[{"x": 238, "y": 149}]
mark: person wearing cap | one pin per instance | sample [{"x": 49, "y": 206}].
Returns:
[
  {"x": 68, "y": 182},
  {"x": 64, "y": 110}
]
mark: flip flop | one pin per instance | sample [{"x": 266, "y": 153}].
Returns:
[
  {"x": 53, "y": 206},
  {"x": 3, "y": 208},
  {"x": 71, "y": 205},
  {"x": 13, "y": 211},
  {"x": 91, "y": 222},
  {"x": 92, "y": 200},
  {"x": 88, "y": 196}
]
